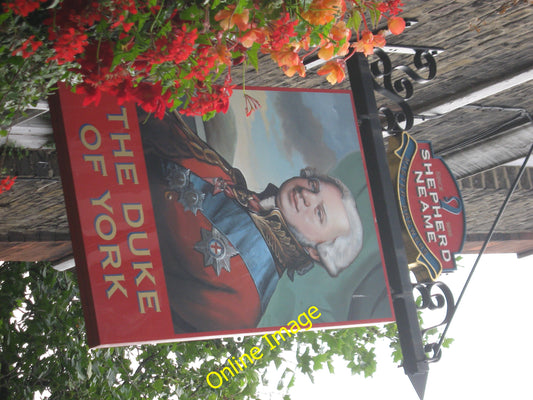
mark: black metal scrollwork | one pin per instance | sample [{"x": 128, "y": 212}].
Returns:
[
  {"x": 434, "y": 301},
  {"x": 400, "y": 90}
]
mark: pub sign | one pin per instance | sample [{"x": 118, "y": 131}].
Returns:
[
  {"x": 431, "y": 207},
  {"x": 184, "y": 229}
]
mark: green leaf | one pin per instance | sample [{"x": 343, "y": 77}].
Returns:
[
  {"x": 208, "y": 116},
  {"x": 241, "y": 5},
  {"x": 165, "y": 30},
  {"x": 331, "y": 368},
  {"x": 111, "y": 377},
  {"x": 375, "y": 15},
  {"x": 4, "y": 16},
  {"x": 301, "y": 28},
  {"x": 192, "y": 13},
  {"x": 354, "y": 22},
  {"x": 158, "y": 385},
  {"x": 315, "y": 38},
  {"x": 447, "y": 342},
  {"x": 397, "y": 355},
  {"x": 252, "y": 55}
]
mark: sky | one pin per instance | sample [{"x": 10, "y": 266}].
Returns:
[{"x": 490, "y": 357}]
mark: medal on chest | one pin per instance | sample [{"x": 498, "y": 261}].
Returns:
[{"x": 217, "y": 250}]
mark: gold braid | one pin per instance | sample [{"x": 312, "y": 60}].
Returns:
[{"x": 288, "y": 252}]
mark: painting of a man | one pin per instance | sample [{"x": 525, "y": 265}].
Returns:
[{"x": 225, "y": 247}]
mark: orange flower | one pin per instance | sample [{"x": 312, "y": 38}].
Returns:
[
  {"x": 379, "y": 40},
  {"x": 396, "y": 25},
  {"x": 365, "y": 48},
  {"x": 368, "y": 41},
  {"x": 221, "y": 54},
  {"x": 321, "y": 12},
  {"x": 326, "y": 51},
  {"x": 344, "y": 49},
  {"x": 255, "y": 35},
  {"x": 293, "y": 69},
  {"x": 339, "y": 32},
  {"x": 305, "y": 42},
  {"x": 286, "y": 57},
  {"x": 228, "y": 19},
  {"x": 334, "y": 71}
]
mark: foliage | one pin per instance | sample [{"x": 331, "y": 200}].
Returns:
[
  {"x": 163, "y": 54},
  {"x": 43, "y": 350}
]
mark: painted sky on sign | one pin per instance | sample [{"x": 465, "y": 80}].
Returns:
[{"x": 294, "y": 129}]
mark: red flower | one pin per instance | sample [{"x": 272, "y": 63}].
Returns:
[
  {"x": 151, "y": 99},
  {"x": 92, "y": 93},
  {"x": 280, "y": 33},
  {"x": 29, "y": 43},
  {"x": 68, "y": 45},
  {"x": 252, "y": 104},
  {"x": 99, "y": 77},
  {"x": 124, "y": 90},
  {"x": 207, "y": 100},
  {"x": 205, "y": 60},
  {"x": 22, "y": 7},
  {"x": 127, "y": 26},
  {"x": 176, "y": 47},
  {"x": 391, "y": 7},
  {"x": 7, "y": 183}
]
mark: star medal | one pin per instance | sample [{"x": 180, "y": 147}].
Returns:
[
  {"x": 177, "y": 177},
  {"x": 217, "y": 250},
  {"x": 192, "y": 200}
]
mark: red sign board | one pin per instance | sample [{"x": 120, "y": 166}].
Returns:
[
  {"x": 431, "y": 206},
  {"x": 170, "y": 241},
  {"x": 117, "y": 253}
]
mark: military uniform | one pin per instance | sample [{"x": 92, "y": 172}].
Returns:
[{"x": 222, "y": 253}]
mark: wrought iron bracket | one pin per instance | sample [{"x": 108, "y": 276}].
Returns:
[
  {"x": 400, "y": 87},
  {"x": 396, "y": 83},
  {"x": 435, "y": 296}
]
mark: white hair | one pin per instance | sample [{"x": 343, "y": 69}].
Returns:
[{"x": 336, "y": 255}]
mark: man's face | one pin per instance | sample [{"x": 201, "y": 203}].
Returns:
[{"x": 314, "y": 208}]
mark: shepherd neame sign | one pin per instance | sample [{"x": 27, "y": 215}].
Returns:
[{"x": 431, "y": 208}]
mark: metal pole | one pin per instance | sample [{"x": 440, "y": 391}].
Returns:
[{"x": 485, "y": 244}]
